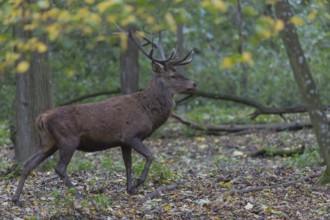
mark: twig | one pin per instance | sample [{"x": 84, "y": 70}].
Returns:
[
  {"x": 87, "y": 96},
  {"x": 93, "y": 203},
  {"x": 157, "y": 191},
  {"x": 45, "y": 181},
  {"x": 286, "y": 184}
]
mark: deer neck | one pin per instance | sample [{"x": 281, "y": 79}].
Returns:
[{"x": 157, "y": 100}]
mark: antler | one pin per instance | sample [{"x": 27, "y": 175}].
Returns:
[{"x": 170, "y": 60}]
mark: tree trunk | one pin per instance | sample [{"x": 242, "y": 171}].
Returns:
[
  {"x": 305, "y": 83},
  {"x": 33, "y": 96},
  {"x": 180, "y": 41},
  {"x": 239, "y": 23},
  {"x": 129, "y": 69}
]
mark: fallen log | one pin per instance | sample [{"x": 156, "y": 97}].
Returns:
[{"x": 245, "y": 128}]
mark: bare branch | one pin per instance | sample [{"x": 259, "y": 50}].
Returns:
[{"x": 285, "y": 184}]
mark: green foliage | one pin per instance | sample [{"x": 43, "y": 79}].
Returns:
[
  {"x": 55, "y": 193},
  {"x": 207, "y": 112},
  {"x": 108, "y": 163},
  {"x": 9, "y": 170},
  {"x": 80, "y": 164},
  {"x": 102, "y": 201},
  {"x": 158, "y": 172},
  {"x": 224, "y": 160},
  {"x": 4, "y": 133},
  {"x": 308, "y": 158},
  {"x": 49, "y": 163}
]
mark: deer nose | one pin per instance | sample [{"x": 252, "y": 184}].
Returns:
[{"x": 194, "y": 85}]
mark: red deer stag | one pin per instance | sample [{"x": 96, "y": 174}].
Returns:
[{"x": 123, "y": 121}]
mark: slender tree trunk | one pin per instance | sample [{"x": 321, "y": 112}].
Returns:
[
  {"x": 180, "y": 39},
  {"x": 129, "y": 69},
  {"x": 305, "y": 83},
  {"x": 33, "y": 96},
  {"x": 239, "y": 22}
]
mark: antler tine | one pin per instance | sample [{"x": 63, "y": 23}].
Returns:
[
  {"x": 184, "y": 60},
  {"x": 160, "y": 48},
  {"x": 130, "y": 35},
  {"x": 149, "y": 42},
  {"x": 138, "y": 44}
]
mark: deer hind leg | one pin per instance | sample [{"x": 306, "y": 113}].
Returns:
[
  {"x": 66, "y": 153},
  {"x": 30, "y": 164},
  {"x": 138, "y": 146}
]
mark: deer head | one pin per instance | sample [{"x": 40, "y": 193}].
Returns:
[{"x": 164, "y": 68}]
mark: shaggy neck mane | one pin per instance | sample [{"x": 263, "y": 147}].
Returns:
[{"x": 157, "y": 101}]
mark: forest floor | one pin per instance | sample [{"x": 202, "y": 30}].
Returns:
[{"x": 201, "y": 177}]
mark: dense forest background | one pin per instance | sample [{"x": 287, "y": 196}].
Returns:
[
  {"x": 236, "y": 51},
  {"x": 55, "y": 52}
]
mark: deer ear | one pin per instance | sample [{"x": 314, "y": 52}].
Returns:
[{"x": 157, "y": 67}]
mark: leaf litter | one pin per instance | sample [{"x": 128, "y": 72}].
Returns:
[{"x": 206, "y": 175}]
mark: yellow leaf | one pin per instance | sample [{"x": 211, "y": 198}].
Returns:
[
  {"x": 22, "y": 67},
  {"x": 202, "y": 146},
  {"x": 11, "y": 57},
  {"x": 103, "y": 6},
  {"x": 150, "y": 20},
  {"x": 41, "y": 47},
  {"x": 278, "y": 25},
  {"x": 227, "y": 63},
  {"x": 29, "y": 27},
  {"x": 228, "y": 184},
  {"x": 200, "y": 139},
  {"x": 83, "y": 12},
  {"x": 94, "y": 18},
  {"x": 123, "y": 41},
  {"x": 89, "y": 1},
  {"x": 43, "y": 4},
  {"x": 166, "y": 207},
  {"x": 53, "y": 30},
  {"x": 271, "y": 2},
  {"x": 52, "y": 13},
  {"x": 265, "y": 34},
  {"x": 218, "y": 4},
  {"x": 297, "y": 21},
  {"x": 100, "y": 38},
  {"x": 311, "y": 16},
  {"x": 247, "y": 58},
  {"x": 170, "y": 21},
  {"x": 70, "y": 72},
  {"x": 64, "y": 15},
  {"x": 111, "y": 18}
]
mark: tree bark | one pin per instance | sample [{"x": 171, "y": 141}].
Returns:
[
  {"x": 239, "y": 23},
  {"x": 129, "y": 69},
  {"x": 33, "y": 96},
  {"x": 305, "y": 82},
  {"x": 180, "y": 42}
]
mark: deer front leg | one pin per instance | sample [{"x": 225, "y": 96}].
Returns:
[
  {"x": 127, "y": 156},
  {"x": 139, "y": 147}
]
